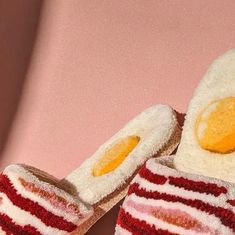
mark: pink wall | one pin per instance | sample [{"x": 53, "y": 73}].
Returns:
[{"x": 96, "y": 64}]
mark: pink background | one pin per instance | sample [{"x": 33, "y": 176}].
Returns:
[{"x": 73, "y": 72}]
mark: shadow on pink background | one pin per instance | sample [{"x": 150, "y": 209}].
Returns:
[
  {"x": 18, "y": 27},
  {"x": 90, "y": 66}
]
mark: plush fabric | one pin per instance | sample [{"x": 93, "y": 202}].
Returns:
[
  {"x": 218, "y": 85},
  {"x": 162, "y": 200},
  {"x": 33, "y": 205}
]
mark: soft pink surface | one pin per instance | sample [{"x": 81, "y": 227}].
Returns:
[{"x": 96, "y": 64}]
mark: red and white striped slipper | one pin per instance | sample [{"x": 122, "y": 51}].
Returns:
[
  {"x": 33, "y": 202},
  {"x": 164, "y": 201}
]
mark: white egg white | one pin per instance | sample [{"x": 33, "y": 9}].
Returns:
[{"x": 218, "y": 83}]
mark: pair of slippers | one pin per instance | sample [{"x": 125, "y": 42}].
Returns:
[{"x": 168, "y": 195}]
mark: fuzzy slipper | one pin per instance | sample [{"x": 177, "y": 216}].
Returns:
[
  {"x": 164, "y": 201},
  {"x": 33, "y": 202}
]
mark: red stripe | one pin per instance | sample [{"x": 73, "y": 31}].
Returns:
[
  {"x": 152, "y": 177},
  {"x": 231, "y": 202},
  {"x": 11, "y": 228},
  {"x": 226, "y": 216},
  {"x": 197, "y": 186},
  {"x": 34, "y": 208},
  {"x": 181, "y": 182},
  {"x": 138, "y": 227}
]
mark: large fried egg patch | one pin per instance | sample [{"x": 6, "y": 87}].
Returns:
[{"x": 208, "y": 140}]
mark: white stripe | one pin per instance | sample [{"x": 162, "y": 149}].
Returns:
[
  {"x": 165, "y": 166},
  {"x": 2, "y": 232},
  {"x": 42, "y": 202},
  {"x": 23, "y": 218},
  {"x": 17, "y": 170},
  {"x": 180, "y": 192},
  {"x": 166, "y": 226},
  {"x": 206, "y": 219},
  {"x": 159, "y": 224},
  {"x": 121, "y": 231}
]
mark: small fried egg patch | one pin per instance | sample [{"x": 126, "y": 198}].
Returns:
[{"x": 208, "y": 139}]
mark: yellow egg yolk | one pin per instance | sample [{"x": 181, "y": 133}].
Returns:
[
  {"x": 114, "y": 156},
  {"x": 215, "y": 126}
]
